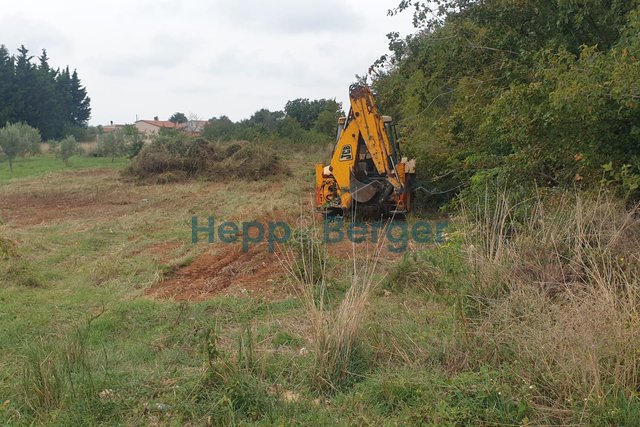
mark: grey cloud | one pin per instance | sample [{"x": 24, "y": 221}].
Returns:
[
  {"x": 33, "y": 34},
  {"x": 253, "y": 66},
  {"x": 163, "y": 53},
  {"x": 291, "y": 16}
]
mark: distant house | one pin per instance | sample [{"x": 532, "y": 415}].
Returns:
[
  {"x": 150, "y": 128},
  {"x": 111, "y": 127}
]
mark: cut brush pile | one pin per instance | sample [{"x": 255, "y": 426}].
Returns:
[{"x": 180, "y": 158}]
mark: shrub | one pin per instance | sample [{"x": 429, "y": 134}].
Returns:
[
  {"x": 8, "y": 248},
  {"x": 414, "y": 271},
  {"x": 17, "y": 140},
  {"x": 68, "y": 147},
  {"x": 125, "y": 141},
  {"x": 191, "y": 157}
]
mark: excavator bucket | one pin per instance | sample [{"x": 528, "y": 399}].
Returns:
[{"x": 361, "y": 192}]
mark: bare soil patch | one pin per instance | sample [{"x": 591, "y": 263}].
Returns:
[
  {"x": 43, "y": 203},
  {"x": 51, "y": 206},
  {"x": 225, "y": 271}
]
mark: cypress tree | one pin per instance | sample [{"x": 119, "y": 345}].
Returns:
[
  {"x": 7, "y": 86},
  {"x": 81, "y": 109},
  {"x": 53, "y": 101}
]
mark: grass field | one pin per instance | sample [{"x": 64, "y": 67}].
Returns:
[
  {"x": 109, "y": 315},
  {"x": 43, "y": 165}
]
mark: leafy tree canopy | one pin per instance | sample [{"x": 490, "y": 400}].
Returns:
[
  {"x": 302, "y": 121},
  {"x": 307, "y": 112},
  {"x": 532, "y": 93},
  {"x": 178, "y": 118}
]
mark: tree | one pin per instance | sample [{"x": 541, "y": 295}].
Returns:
[
  {"x": 133, "y": 141},
  {"x": 81, "y": 103},
  {"x": 17, "y": 140},
  {"x": 178, "y": 118},
  {"x": 49, "y": 104},
  {"x": 307, "y": 112},
  {"x": 111, "y": 145},
  {"x": 266, "y": 119},
  {"x": 126, "y": 141},
  {"x": 534, "y": 93},
  {"x": 7, "y": 86},
  {"x": 51, "y": 100},
  {"x": 326, "y": 123},
  {"x": 68, "y": 147},
  {"x": 25, "y": 83},
  {"x": 222, "y": 129}
]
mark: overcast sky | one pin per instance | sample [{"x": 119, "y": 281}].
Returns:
[{"x": 146, "y": 58}]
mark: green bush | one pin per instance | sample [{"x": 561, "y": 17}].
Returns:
[
  {"x": 17, "y": 140},
  {"x": 536, "y": 94},
  {"x": 68, "y": 147},
  {"x": 126, "y": 141}
]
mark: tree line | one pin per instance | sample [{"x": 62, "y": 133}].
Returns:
[
  {"x": 302, "y": 121},
  {"x": 54, "y": 101},
  {"x": 533, "y": 94}
]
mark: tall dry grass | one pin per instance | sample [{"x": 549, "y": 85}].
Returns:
[
  {"x": 556, "y": 287},
  {"x": 337, "y": 329}
]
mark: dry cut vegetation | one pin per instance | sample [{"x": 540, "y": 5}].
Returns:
[{"x": 178, "y": 158}]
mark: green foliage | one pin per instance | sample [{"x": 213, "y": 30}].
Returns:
[
  {"x": 414, "y": 271},
  {"x": 326, "y": 123},
  {"x": 534, "y": 93},
  {"x": 178, "y": 118},
  {"x": 626, "y": 177},
  {"x": 126, "y": 141},
  {"x": 304, "y": 122},
  {"x": 53, "y": 101},
  {"x": 110, "y": 145},
  {"x": 68, "y": 147},
  {"x": 17, "y": 140},
  {"x": 82, "y": 133},
  {"x": 307, "y": 113},
  {"x": 222, "y": 129}
]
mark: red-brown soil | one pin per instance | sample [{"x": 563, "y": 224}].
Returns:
[
  {"x": 43, "y": 205},
  {"x": 227, "y": 270}
]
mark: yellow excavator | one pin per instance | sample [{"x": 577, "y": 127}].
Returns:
[{"x": 367, "y": 176}]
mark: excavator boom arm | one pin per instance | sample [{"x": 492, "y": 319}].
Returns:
[{"x": 365, "y": 167}]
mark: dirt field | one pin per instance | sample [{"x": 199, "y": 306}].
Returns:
[
  {"x": 84, "y": 200},
  {"x": 81, "y": 200}
]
